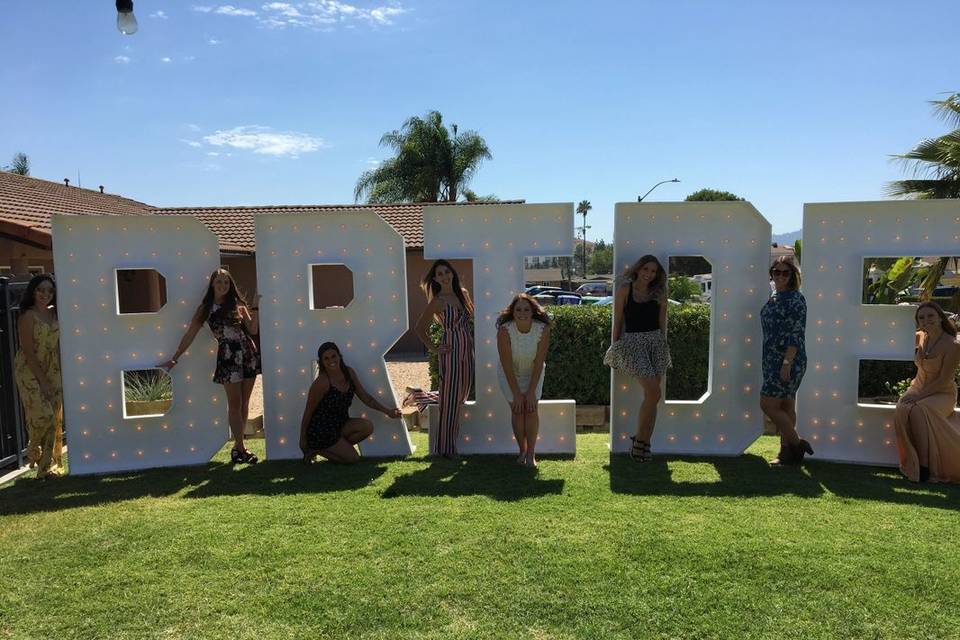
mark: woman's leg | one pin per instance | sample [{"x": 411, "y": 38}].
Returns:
[
  {"x": 532, "y": 428},
  {"x": 247, "y": 389},
  {"x": 342, "y": 453},
  {"x": 919, "y": 435},
  {"x": 516, "y": 421},
  {"x": 647, "y": 417},
  {"x": 234, "y": 391},
  {"x": 356, "y": 430},
  {"x": 782, "y": 413}
]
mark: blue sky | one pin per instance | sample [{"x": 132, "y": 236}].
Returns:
[{"x": 284, "y": 103}]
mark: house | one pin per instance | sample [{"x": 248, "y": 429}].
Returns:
[{"x": 27, "y": 204}]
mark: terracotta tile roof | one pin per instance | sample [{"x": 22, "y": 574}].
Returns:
[
  {"x": 234, "y": 225},
  {"x": 26, "y": 204}
]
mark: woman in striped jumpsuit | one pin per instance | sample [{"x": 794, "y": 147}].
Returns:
[{"x": 449, "y": 304}]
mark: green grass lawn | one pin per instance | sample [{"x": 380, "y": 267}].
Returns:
[{"x": 481, "y": 548}]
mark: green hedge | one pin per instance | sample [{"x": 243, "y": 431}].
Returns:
[{"x": 580, "y": 336}]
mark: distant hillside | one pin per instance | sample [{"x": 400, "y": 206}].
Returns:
[{"x": 787, "y": 238}]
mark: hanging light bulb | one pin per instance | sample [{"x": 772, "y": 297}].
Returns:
[{"x": 126, "y": 21}]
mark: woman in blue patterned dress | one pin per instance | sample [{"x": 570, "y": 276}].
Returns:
[{"x": 784, "y": 321}]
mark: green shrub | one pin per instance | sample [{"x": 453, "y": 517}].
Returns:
[
  {"x": 688, "y": 334},
  {"x": 147, "y": 385}
]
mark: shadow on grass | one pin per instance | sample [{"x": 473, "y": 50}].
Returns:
[
  {"x": 282, "y": 477},
  {"x": 883, "y": 484},
  {"x": 497, "y": 477},
  {"x": 742, "y": 476}
]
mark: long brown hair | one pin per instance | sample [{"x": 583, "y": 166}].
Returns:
[
  {"x": 794, "y": 282},
  {"x": 431, "y": 287},
  {"x": 230, "y": 303},
  {"x": 29, "y": 299},
  {"x": 539, "y": 313},
  {"x": 659, "y": 283},
  {"x": 327, "y": 346},
  {"x": 945, "y": 323}
]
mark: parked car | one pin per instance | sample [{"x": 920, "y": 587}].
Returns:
[
  {"x": 608, "y": 300},
  {"x": 594, "y": 289},
  {"x": 537, "y": 289},
  {"x": 558, "y": 298}
]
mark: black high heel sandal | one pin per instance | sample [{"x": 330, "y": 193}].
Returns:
[
  {"x": 243, "y": 456},
  {"x": 640, "y": 450}
]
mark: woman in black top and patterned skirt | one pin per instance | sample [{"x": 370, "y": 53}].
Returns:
[
  {"x": 326, "y": 428},
  {"x": 238, "y": 360},
  {"x": 639, "y": 341}
]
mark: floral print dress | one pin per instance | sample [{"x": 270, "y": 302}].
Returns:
[
  {"x": 784, "y": 321},
  {"x": 44, "y": 416},
  {"x": 237, "y": 355}
]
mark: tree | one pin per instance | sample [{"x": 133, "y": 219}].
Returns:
[
  {"x": 583, "y": 208},
  {"x": 935, "y": 163},
  {"x": 601, "y": 261},
  {"x": 797, "y": 249},
  {"x": 683, "y": 289},
  {"x": 431, "y": 163},
  {"x": 711, "y": 195},
  {"x": 471, "y": 196},
  {"x": 20, "y": 165}
]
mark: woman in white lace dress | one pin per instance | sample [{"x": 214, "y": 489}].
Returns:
[{"x": 523, "y": 335}]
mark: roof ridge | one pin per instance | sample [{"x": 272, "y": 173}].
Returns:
[{"x": 16, "y": 176}]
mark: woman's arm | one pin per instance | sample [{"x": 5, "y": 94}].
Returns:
[
  {"x": 25, "y": 331},
  {"x": 368, "y": 399},
  {"x": 250, "y": 316},
  {"x": 618, "y": 301},
  {"x": 505, "y": 350},
  {"x": 423, "y": 324},
  {"x": 466, "y": 296},
  {"x": 537, "y": 371},
  {"x": 195, "y": 325},
  {"x": 318, "y": 389},
  {"x": 951, "y": 359}
]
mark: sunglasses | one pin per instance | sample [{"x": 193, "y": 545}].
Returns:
[{"x": 780, "y": 272}]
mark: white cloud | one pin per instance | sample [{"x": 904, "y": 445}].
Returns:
[
  {"x": 373, "y": 163},
  {"x": 189, "y": 58},
  {"x": 159, "y": 14},
  {"x": 322, "y": 15},
  {"x": 121, "y": 59},
  {"x": 165, "y": 59},
  {"x": 213, "y": 42},
  {"x": 265, "y": 141},
  {"x": 191, "y": 143},
  {"x": 225, "y": 10},
  {"x": 193, "y": 127}
]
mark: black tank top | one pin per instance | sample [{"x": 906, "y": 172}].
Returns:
[{"x": 641, "y": 316}]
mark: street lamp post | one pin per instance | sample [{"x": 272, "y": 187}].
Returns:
[{"x": 640, "y": 198}]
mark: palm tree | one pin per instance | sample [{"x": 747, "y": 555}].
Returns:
[
  {"x": 431, "y": 163},
  {"x": 935, "y": 162},
  {"x": 936, "y": 169},
  {"x": 583, "y": 208}
]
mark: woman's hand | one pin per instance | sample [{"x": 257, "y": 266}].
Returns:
[
  {"x": 518, "y": 403},
  {"x": 530, "y": 401},
  {"x": 785, "y": 372},
  {"x": 169, "y": 364},
  {"x": 443, "y": 349},
  {"x": 392, "y": 413},
  {"x": 909, "y": 398}
]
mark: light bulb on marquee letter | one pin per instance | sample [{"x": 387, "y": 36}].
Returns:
[
  {"x": 288, "y": 245},
  {"x": 108, "y": 343},
  {"x": 846, "y": 431},
  {"x": 732, "y": 234},
  {"x": 497, "y": 238}
]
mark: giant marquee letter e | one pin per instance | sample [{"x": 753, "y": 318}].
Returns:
[
  {"x": 288, "y": 247},
  {"x": 735, "y": 238},
  {"x": 841, "y": 331},
  {"x": 497, "y": 238},
  {"x": 98, "y": 344}
]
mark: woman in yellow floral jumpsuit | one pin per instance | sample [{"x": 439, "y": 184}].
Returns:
[{"x": 37, "y": 371}]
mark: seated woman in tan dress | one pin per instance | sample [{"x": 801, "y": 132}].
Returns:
[{"x": 928, "y": 429}]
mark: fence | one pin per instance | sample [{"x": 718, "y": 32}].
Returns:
[{"x": 12, "y": 436}]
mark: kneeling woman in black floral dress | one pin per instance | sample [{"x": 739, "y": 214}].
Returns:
[{"x": 327, "y": 428}]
